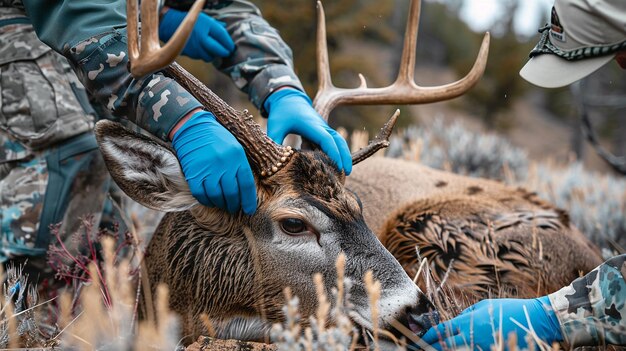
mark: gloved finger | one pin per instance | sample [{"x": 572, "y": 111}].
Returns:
[
  {"x": 325, "y": 141},
  {"x": 230, "y": 189},
  {"x": 247, "y": 189},
  {"x": 455, "y": 342},
  {"x": 214, "y": 48},
  {"x": 203, "y": 55},
  {"x": 440, "y": 331},
  {"x": 220, "y": 34},
  {"x": 277, "y": 134},
  {"x": 213, "y": 189},
  {"x": 197, "y": 190},
  {"x": 344, "y": 151}
]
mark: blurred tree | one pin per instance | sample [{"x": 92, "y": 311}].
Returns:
[
  {"x": 602, "y": 97},
  {"x": 500, "y": 85}
]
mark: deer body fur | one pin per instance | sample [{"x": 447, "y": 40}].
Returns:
[{"x": 490, "y": 238}]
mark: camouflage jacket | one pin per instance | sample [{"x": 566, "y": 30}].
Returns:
[
  {"x": 41, "y": 100},
  {"x": 262, "y": 61},
  {"x": 92, "y": 35},
  {"x": 592, "y": 310}
]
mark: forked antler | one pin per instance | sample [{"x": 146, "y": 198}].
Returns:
[
  {"x": 265, "y": 156},
  {"x": 403, "y": 91}
]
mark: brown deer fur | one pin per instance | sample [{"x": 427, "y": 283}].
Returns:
[{"x": 501, "y": 241}]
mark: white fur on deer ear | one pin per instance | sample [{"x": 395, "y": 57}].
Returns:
[{"x": 146, "y": 170}]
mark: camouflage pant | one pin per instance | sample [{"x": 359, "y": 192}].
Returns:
[{"x": 59, "y": 185}]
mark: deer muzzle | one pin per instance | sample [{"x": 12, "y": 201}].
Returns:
[{"x": 418, "y": 318}]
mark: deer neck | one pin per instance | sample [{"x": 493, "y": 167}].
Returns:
[{"x": 216, "y": 261}]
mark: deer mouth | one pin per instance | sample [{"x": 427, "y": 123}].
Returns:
[
  {"x": 419, "y": 323},
  {"x": 410, "y": 321}
]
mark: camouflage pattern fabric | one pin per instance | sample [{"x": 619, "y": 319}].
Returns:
[
  {"x": 50, "y": 168},
  {"x": 592, "y": 310},
  {"x": 154, "y": 103},
  {"x": 40, "y": 97},
  {"x": 21, "y": 201},
  {"x": 10, "y": 150},
  {"x": 60, "y": 185},
  {"x": 12, "y": 3},
  {"x": 262, "y": 61}
]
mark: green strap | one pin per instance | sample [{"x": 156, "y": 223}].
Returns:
[
  {"x": 60, "y": 179},
  {"x": 14, "y": 20}
]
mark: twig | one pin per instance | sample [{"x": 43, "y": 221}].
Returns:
[
  {"x": 33, "y": 307},
  {"x": 67, "y": 326},
  {"x": 419, "y": 270}
]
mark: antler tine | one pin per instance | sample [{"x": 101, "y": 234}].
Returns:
[
  {"x": 323, "y": 66},
  {"x": 381, "y": 140},
  {"x": 150, "y": 56},
  {"x": 132, "y": 24},
  {"x": 406, "y": 72}
]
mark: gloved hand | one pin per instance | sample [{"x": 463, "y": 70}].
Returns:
[
  {"x": 480, "y": 320},
  {"x": 291, "y": 111},
  {"x": 208, "y": 40},
  {"x": 215, "y": 164}
]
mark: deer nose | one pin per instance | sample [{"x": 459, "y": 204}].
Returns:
[
  {"x": 422, "y": 316},
  {"x": 418, "y": 318},
  {"x": 419, "y": 323}
]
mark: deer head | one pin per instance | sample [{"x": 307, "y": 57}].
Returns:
[{"x": 237, "y": 265}]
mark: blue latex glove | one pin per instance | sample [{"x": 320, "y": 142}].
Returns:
[
  {"x": 208, "y": 40},
  {"x": 486, "y": 318},
  {"x": 215, "y": 164},
  {"x": 291, "y": 111}
]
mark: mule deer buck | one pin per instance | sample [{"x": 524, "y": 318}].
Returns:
[
  {"x": 236, "y": 265},
  {"x": 487, "y": 238}
]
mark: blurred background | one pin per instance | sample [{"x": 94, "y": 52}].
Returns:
[{"x": 365, "y": 36}]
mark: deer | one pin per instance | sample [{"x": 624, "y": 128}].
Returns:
[
  {"x": 236, "y": 266},
  {"x": 504, "y": 241},
  {"x": 496, "y": 235}
]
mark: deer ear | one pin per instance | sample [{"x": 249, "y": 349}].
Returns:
[{"x": 146, "y": 170}]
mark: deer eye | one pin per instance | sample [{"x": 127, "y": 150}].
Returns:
[{"x": 293, "y": 226}]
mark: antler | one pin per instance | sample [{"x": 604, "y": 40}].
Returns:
[
  {"x": 151, "y": 57},
  {"x": 403, "y": 91},
  {"x": 265, "y": 156}
]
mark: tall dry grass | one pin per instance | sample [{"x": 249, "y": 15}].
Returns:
[
  {"x": 109, "y": 322},
  {"x": 101, "y": 312}
]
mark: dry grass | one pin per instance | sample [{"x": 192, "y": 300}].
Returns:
[
  {"x": 109, "y": 322},
  {"x": 101, "y": 313}
]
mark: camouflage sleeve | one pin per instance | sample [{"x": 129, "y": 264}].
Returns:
[
  {"x": 100, "y": 58},
  {"x": 262, "y": 61},
  {"x": 154, "y": 103},
  {"x": 592, "y": 310}
]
